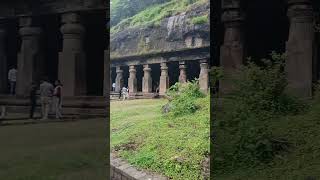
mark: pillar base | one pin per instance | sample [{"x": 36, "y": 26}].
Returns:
[{"x": 72, "y": 68}]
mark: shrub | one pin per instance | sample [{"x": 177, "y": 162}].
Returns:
[
  {"x": 183, "y": 98},
  {"x": 200, "y": 19},
  {"x": 258, "y": 98}
]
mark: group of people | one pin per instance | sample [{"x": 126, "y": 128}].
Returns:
[
  {"x": 50, "y": 96},
  {"x": 124, "y": 92}
]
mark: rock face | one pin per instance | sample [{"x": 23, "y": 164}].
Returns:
[{"x": 173, "y": 33}]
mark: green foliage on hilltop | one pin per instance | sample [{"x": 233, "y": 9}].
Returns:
[{"x": 153, "y": 14}]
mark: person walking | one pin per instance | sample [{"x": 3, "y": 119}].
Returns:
[
  {"x": 46, "y": 92},
  {"x": 124, "y": 93},
  {"x": 120, "y": 93},
  {"x": 12, "y": 78},
  {"x": 57, "y": 99},
  {"x": 113, "y": 87},
  {"x": 33, "y": 99}
]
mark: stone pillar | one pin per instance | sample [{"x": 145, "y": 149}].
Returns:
[
  {"x": 111, "y": 79},
  {"x": 147, "y": 79},
  {"x": 204, "y": 76},
  {"x": 30, "y": 57},
  {"x": 164, "y": 79},
  {"x": 119, "y": 79},
  {"x": 232, "y": 50},
  {"x": 299, "y": 48},
  {"x": 3, "y": 62},
  {"x": 132, "y": 81},
  {"x": 107, "y": 72},
  {"x": 72, "y": 63},
  {"x": 183, "y": 73}
]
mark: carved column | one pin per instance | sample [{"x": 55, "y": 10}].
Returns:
[
  {"x": 119, "y": 79},
  {"x": 72, "y": 63},
  {"x": 132, "y": 81},
  {"x": 111, "y": 80},
  {"x": 3, "y": 61},
  {"x": 204, "y": 76},
  {"x": 147, "y": 79},
  {"x": 107, "y": 74},
  {"x": 300, "y": 48},
  {"x": 183, "y": 73},
  {"x": 232, "y": 50},
  {"x": 30, "y": 58},
  {"x": 164, "y": 79}
]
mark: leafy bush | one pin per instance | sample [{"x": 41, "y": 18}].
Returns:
[
  {"x": 183, "y": 97},
  {"x": 258, "y": 98}
]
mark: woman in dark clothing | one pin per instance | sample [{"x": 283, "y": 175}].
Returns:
[
  {"x": 58, "y": 99},
  {"x": 33, "y": 99}
]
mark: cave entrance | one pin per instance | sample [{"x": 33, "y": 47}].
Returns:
[{"x": 266, "y": 27}]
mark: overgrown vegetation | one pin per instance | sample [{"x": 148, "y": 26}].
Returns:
[
  {"x": 200, "y": 19},
  {"x": 175, "y": 144},
  {"x": 260, "y": 127},
  {"x": 155, "y": 13}
]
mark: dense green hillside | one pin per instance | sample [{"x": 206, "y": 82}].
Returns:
[{"x": 124, "y": 15}]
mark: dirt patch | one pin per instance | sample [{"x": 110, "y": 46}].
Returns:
[
  {"x": 130, "y": 146},
  {"x": 205, "y": 171}
]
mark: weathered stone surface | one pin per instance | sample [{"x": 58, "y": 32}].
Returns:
[
  {"x": 183, "y": 73},
  {"x": 147, "y": 79},
  {"x": 30, "y": 58},
  {"x": 38, "y": 7},
  {"x": 72, "y": 63},
  {"x": 107, "y": 77},
  {"x": 164, "y": 79},
  {"x": 300, "y": 48},
  {"x": 3, "y": 61},
  {"x": 170, "y": 35},
  {"x": 232, "y": 50},
  {"x": 132, "y": 81},
  {"x": 119, "y": 79},
  {"x": 204, "y": 76}
]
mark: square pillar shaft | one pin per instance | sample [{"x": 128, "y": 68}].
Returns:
[
  {"x": 119, "y": 79},
  {"x": 132, "y": 81},
  {"x": 183, "y": 73},
  {"x": 72, "y": 62},
  {"x": 3, "y": 62},
  {"x": 164, "y": 79},
  {"x": 147, "y": 79},
  {"x": 30, "y": 57},
  {"x": 204, "y": 76},
  {"x": 299, "y": 48}
]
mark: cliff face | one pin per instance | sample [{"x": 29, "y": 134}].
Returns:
[{"x": 174, "y": 33}]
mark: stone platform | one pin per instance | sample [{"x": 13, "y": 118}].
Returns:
[
  {"x": 90, "y": 106},
  {"x": 138, "y": 95}
]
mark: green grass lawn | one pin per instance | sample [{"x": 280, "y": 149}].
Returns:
[
  {"x": 176, "y": 148},
  {"x": 302, "y": 160},
  {"x": 54, "y": 151}
]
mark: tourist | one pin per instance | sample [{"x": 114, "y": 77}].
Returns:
[
  {"x": 33, "y": 99},
  {"x": 57, "y": 98},
  {"x": 113, "y": 86},
  {"x": 120, "y": 93},
  {"x": 46, "y": 91},
  {"x": 12, "y": 77},
  {"x": 124, "y": 93}
]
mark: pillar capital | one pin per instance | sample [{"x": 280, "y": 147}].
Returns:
[
  {"x": 146, "y": 67},
  {"x": 119, "y": 70},
  {"x": 300, "y": 11}
]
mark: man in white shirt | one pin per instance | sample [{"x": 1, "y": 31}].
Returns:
[
  {"x": 46, "y": 93},
  {"x": 113, "y": 86},
  {"x": 12, "y": 77}
]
